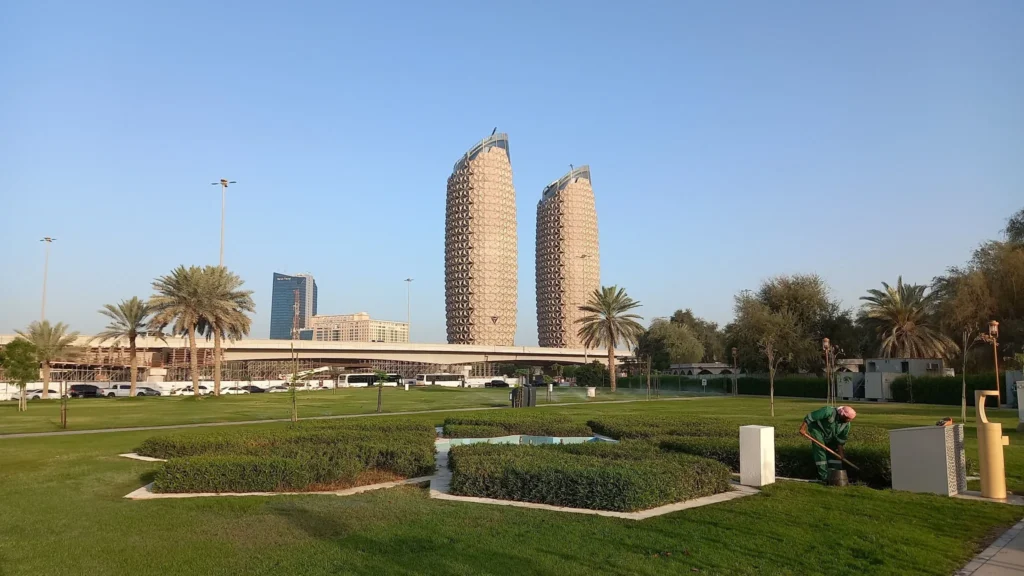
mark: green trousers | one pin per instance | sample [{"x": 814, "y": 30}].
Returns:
[{"x": 824, "y": 461}]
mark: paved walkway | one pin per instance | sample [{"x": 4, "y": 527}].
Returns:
[
  {"x": 335, "y": 417},
  {"x": 1005, "y": 557}
]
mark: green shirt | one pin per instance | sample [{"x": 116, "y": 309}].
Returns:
[{"x": 826, "y": 421}]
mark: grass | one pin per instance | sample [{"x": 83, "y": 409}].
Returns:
[
  {"x": 62, "y": 511},
  {"x": 96, "y": 413}
]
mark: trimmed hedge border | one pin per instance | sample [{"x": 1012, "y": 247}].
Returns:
[
  {"x": 945, "y": 389},
  {"x": 718, "y": 439},
  {"x": 296, "y": 458},
  {"x": 623, "y": 477}
]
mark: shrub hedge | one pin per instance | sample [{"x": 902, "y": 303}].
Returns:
[
  {"x": 718, "y": 440},
  {"x": 944, "y": 389},
  {"x": 504, "y": 423},
  {"x": 717, "y": 385},
  {"x": 627, "y": 476},
  {"x": 294, "y": 458}
]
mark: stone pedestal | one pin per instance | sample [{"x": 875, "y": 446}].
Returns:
[
  {"x": 757, "y": 455},
  {"x": 591, "y": 392},
  {"x": 928, "y": 459}
]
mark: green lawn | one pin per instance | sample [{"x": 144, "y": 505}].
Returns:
[
  {"x": 62, "y": 512},
  {"x": 94, "y": 413}
]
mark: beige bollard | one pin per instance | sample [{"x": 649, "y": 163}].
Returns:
[{"x": 990, "y": 449}]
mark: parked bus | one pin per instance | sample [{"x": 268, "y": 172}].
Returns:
[
  {"x": 362, "y": 380},
  {"x": 449, "y": 380}
]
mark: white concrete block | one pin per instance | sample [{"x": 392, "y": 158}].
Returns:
[
  {"x": 591, "y": 392},
  {"x": 928, "y": 459},
  {"x": 757, "y": 455}
]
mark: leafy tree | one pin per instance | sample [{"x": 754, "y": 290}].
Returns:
[
  {"x": 651, "y": 346},
  {"x": 51, "y": 341},
  {"x": 506, "y": 369},
  {"x": 592, "y": 374},
  {"x": 21, "y": 366},
  {"x": 570, "y": 371},
  {"x": 182, "y": 302},
  {"x": 128, "y": 320},
  {"x": 609, "y": 322},
  {"x": 964, "y": 306},
  {"x": 710, "y": 336},
  {"x": 903, "y": 317},
  {"x": 683, "y": 347},
  {"x": 226, "y": 316},
  {"x": 1015, "y": 228},
  {"x": 776, "y": 336}
]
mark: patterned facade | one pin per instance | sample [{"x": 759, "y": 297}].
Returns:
[
  {"x": 480, "y": 253},
  {"x": 568, "y": 268}
]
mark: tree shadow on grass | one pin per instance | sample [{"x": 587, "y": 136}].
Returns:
[{"x": 389, "y": 549}]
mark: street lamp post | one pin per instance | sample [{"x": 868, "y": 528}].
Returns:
[
  {"x": 993, "y": 338},
  {"x": 735, "y": 372},
  {"x": 826, "y": 346},
  {"x": 408, "y": 307},
  {"x": 223, "y": 208},
  {"x": 46, "y": 269}
]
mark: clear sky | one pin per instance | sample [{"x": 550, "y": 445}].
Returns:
[{"x": 728, "y": 141}]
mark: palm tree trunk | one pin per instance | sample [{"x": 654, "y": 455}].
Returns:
[
  {"x": 134, "y": 364},
  {"x": 611, "y": 366},
  {"x": 46, "y": 379},
  {"x": 193, "y": 361},
  {"x": 216, "y": 361}
]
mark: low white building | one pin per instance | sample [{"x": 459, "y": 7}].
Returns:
[{"x": 357, "y": 327}]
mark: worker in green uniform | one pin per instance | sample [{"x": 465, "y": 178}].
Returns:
[{"x": 831, "y": 427}]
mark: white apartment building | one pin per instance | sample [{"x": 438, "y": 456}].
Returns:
[{"x": 358, "y": 327}]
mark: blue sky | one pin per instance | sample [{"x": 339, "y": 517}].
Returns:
[{"x": 728, "y": 142}]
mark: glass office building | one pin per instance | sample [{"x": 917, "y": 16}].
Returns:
[{"x": 282, "y": 304}]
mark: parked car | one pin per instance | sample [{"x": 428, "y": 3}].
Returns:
[
  {"x": 496, "y": 384},
  {"x": 273, "y": 389},
  {"x": 235, "y": 390},
  {"x": 120, "y": 390},
  {"x": 147, "y": 391},
  {"x": 35, "y": 394},
  {"x": 86, "y": 391},
  {"x": 253, "y": 389},
  {"x": 187, "y": 391}
]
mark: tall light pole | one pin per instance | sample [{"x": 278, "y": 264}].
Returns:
[
  {"x": 408, "y": 307},
  {"x": 46, "y": 269},
  {"x": 223, "y": 207}
]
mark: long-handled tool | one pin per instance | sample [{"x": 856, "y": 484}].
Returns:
[{"x": 830, "y": 451}]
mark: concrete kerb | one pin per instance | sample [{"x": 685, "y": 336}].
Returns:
[
  {"x": 439, "y": 485},
  {"x": 976, "y": 564}
]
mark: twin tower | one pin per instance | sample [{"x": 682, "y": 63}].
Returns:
[{"x": 481, "y": 257}]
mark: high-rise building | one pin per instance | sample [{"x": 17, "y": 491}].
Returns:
[
  {"x": 282, "y": 304},
  {"x": 357, "y": 327},
  {"x": 568, "y": 265},
  {"x": 480, "y": 253}
]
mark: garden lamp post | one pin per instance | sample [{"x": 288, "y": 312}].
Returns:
[
  {"x": 735, "y": 372},
  {"x": 408, "y": 307},
  {"x": 826, "y": 346},
  {"x": 993, "y": 338}
]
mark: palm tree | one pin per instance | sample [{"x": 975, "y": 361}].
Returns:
[
  {"x": 51, "y": 342},
  {"x": 182, "y": 302},
  {"x": 902, "y": 316},
  {"x": 226, "y": 316},
  {"x": 128, "y": 320},
  {"x": 608, "y": 323}
]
